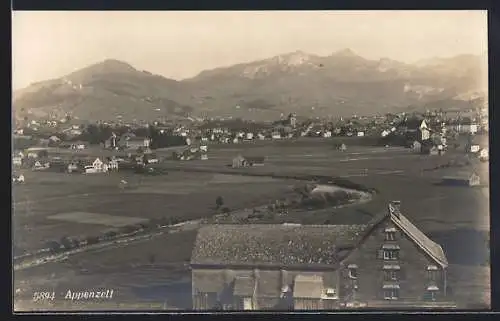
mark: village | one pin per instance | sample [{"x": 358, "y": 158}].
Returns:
[
  {"x": 54, "y": 146},
  {"x": 243, "y": 166}
]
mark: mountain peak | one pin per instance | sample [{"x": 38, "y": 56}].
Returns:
[
  {"x": 113, "y": 65},
  {"x": 347, "y": 52}
]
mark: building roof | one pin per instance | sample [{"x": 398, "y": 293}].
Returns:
[
  {"x": 433, "y": 249},
  {"x": 278, "y": 245},
  {"x": 259, "y": 159},
  {"x": 308, "y": 287},
  {"x": 298, "y": 246}
]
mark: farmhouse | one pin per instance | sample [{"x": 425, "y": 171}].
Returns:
[
  {"x": 239, "y": 161},
  {"x": 97, "y": 166},
  {"x": 79, "y": 145},
  {"x": 484, "y": 154},
  {"x": 245, "y": 161},
  {"x": 255, "y": 160},
  {"x": 386, "y": 263},
  {"x": 462, "y": 179},
  {"x": 416, "y": 147}
]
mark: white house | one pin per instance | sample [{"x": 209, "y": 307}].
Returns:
[
  {"x": 276, "y": 135},
  {"x": 484, "y": 154},
  {"x": 18, "y": 179},
  {"x": 474, "y": 148},
  {"x": 327, "y": 134},
  {"x": 97, "y": 166},
  {"x": 361, "y": 134},
  {"x": 473, "y": 128},
  {"x": 17, "y": 161},
  {"x": 385, "y": 133},
  {"x": 249, "y": 136},
  {"x": 235, "y": 140},
  {"x": 261, "y": 136}
]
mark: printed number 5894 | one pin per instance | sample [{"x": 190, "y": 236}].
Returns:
[{"x": 43, "y": 296}]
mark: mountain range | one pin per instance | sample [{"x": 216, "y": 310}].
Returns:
[{"x": 340, "y": 84}]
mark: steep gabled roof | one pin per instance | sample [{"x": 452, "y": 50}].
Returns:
[{"x": 433, "y": 249}]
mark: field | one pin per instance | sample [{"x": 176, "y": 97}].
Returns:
[{"x": 156, "y": 270}]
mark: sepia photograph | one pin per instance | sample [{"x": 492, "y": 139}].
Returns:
[{"x": 203, "y": 161}]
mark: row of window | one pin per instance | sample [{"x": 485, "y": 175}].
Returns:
[
  {"x": 393, "y": 294},
  {"x": 392, "y": 272}
]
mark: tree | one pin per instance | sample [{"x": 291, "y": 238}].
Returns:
[{"x": 219, "y": 201}]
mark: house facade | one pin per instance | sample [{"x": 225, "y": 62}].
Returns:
[{"x": 385, "y": 263}]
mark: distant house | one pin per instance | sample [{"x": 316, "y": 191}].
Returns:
[
  {"x": 416, "y": 147},
  {"x": 17, "y": 161},
  {"x": 79, "y": 145},
  {"x": 255, "y": 160},
  {"x": 74, "y": 167},
  {"x": 425, "y": 132},
  {"x": 135, "y": 143},
  {"x": 361, "y": 134},
  {"x": 484, "y": 154},
  {"x": 40, "y": 165},
  {"x": 54, "y": 140},
  {"x": 112, "y": 164},
  {"x": 462, "y": 179},
  {"x": 111, "y": 142},
  {"x": 276, "y": 135},
  {"x": 97, "y": 166},
  {"x": 474, "y": 148},
  {"x": 239, "y": 161},
  {"x": 385, "y": 263},
  {"x": 434, "y": 150},
  {"x": 249, "y": 136},
  {"x": 327, "y": 134},
  {"x": 18, "y": 178}
]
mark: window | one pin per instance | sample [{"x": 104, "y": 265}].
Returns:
[
  {"x": 390, "y": 234},
  {"x": 432, "y": 271},
  {"x": 431, "y": 293},
  {"x": 353, "y": 271},
  {"x": 391, "y": 294},
  {"x": 390, "y": 275},
  {"x": 391, "y": 254}
]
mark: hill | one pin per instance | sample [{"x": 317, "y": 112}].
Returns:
[
  {"x": 105, "y": 90},
  {"x": 341, "y": 84}
]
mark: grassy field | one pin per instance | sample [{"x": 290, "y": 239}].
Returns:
[{"x": 456, "y": 217}]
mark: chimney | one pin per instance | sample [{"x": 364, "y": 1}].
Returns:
[{"x": 394, "y": 208}]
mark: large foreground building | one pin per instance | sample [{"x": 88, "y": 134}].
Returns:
[{"x": 387, "y": 263}]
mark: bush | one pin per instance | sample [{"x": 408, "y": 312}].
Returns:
[
  {"x": 174, "y": 220},
  {"x": 67, "y": 243},
  {"x": 92, "y": 240},
  {"x": 54, "y": 246},
  {"x": 110, "y": 234},
  {"x": 129, "y": 229}
]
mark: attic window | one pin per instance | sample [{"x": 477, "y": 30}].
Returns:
[
  {"x": 353, "y": 271},
  {"x": 390, "y": 234}
]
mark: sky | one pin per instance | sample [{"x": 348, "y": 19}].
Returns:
[{"x": 178, "y": 45}]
